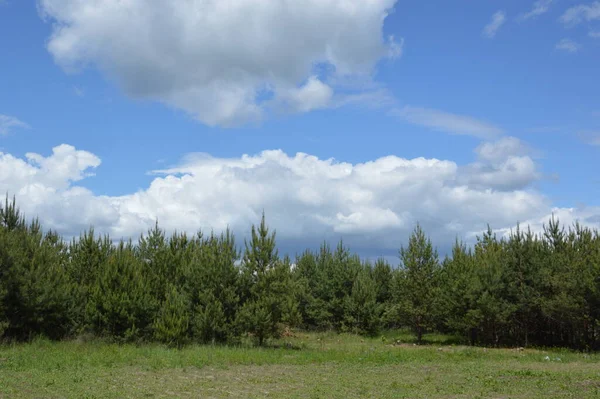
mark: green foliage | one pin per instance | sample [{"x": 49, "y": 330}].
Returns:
[
  {"x": 33, "y": 284},
  {"x": 173, "y": 319},
  {"x": 362, "y": 312},
  {"x": 120, "y": 304},
  {"x": 521, "y": 289},
  {"x": 214, "y": 281},
  {"x": 87, "y": 256},
  {"x": 268, "y": 291},
  {"x": 416, "y": 288}
]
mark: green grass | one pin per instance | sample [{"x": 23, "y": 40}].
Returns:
[{"x": 320, "y": 366}]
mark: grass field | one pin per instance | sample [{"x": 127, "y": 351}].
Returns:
[{"x": 304, "y": 366}]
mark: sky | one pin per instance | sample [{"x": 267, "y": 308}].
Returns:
[{"x": 340, "y": 119}]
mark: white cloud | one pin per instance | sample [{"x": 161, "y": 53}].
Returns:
[
  {"x": 314, "y": 94},
  {"x": 539, "y": 7},
  {"x": 498, "y": 19},
  {"x": 504, "y": 165},
  {"x": 216, "y": 59},
  {"x": 379, "y": 98},
  {"x": 585, "y": 216},
  {"x": 373, "y": 205},
  {"x": 580, "y": 13},
  {"x": 595, "y": 34},
  {"x": 395, "y": 48},
  {"x": 502, "y": 149},
  {"x": 568, "y": 46},
  {"x": 448, "y": 122},
  {"x": 8, "y": 123},
  {"x": 58, "y": 171}
]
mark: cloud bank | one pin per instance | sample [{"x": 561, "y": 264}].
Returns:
[{"x": 372, "y": 205}]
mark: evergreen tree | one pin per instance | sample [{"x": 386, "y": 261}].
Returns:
[
  {"x": 362, "y": 312},
  {"x": 267, "y": 287},
  {"x": 460, "y": 290},
  {"x": 33, "y": 283},
  {"x": 525, "y": 289},
  {"x": 121, "y": 305},
  {"x": 172, "y": 323},
  {"x": 382, "y": 276},
  {"x": 493, "y": 309},
  {"x": 307, "y": 278},
  {"x": 87, "y": 255},
  {"x": 417, "y": 284},
  {"x": 215, "y": 279}
]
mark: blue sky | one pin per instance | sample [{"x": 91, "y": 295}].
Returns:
[{"x": 511, "y": 114}]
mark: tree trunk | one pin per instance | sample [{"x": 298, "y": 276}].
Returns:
[{"x": 473, "y": 337}]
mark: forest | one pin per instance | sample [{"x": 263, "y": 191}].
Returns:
[{"x": 540, "y": 290}]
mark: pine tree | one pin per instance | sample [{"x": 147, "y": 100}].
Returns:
[
  {"x": 121, "y": 306},
  {"x": 417, "y": 284},
  {"x": 362, "y": 312},
  {"x": 173, "y": 319},
  {"x": 267, "y": 289},
  {"x": 33, "y": 284},
  {"x": 87, "y": 255},
  {"x": 215, "y": 284},
  {"x": 493, "y": 308},
  {"x": 459, "y": 292}
]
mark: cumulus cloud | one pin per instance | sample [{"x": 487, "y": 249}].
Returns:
[
  {"x": 8, "y": 123},
  {"x": 448, "y": 122},
  {"x": 312, "y": 95},
  {"x": 539, "y": 7},
  {"x": 498, "y": 19},
  {"x": 45, "y": 187},
  {"x": 580, "y": 13},
  {"x": 504, "y": 165},
  {"x": 568, "y": 45},
  {"x": 217, "y": 59},
  {"x": 373, "y": 205},
  {"x": 502, "y": 149}
]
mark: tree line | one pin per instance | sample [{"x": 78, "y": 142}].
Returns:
[{"x": 526, "y": 289}]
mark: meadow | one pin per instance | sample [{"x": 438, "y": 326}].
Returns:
[{"x": 305, "y": 365}]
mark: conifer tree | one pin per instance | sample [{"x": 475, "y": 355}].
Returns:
[
  {"x": 121, "y": 305},
  {"x": 306, "y": 276},
  {"x": 417, "y": 284},
  {"x": 382, "y": 276},
  {"x": 459, "y": 292},
  {"x": 215, "y": 280},
  {"x": 172, "y": 323},
  {"x": 266, "y": 286},
  {"x": 33, "y": 284},
  {"x": 493, "y": 309},
  {"x": 87, "y": 255},
  {"x": 362, "y": 312}
]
